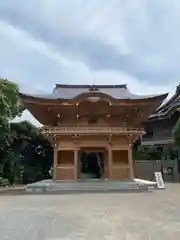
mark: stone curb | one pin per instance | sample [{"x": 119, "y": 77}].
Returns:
[
  {"x": 12, "y": 190},
  {"x": 68, "y": 192}
]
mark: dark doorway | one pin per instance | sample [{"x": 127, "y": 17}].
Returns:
[{"x": 92, "y": 165}]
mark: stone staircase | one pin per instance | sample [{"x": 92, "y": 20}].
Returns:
[{"x": 85, "y": 186}]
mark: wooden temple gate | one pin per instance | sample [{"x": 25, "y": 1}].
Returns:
[{"x": 105, "y": 118}]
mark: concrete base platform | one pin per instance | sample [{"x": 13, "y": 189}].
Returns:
[
  {"x": 85, "y": 186},
  {"x": 150, "y": 184}
]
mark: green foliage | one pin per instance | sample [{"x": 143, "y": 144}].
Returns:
[
  {"x": 25, "y": 154},
  {"x": 4, "y": 182},
  {"x": 176, "y": 133},
  {"x": 156, "y": 152},
  {"x": 148, "y": 153},
  {"x": 10, "y": 107},
  {"x": 19, "y": 159}
]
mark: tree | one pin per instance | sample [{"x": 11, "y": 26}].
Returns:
[
  {"x": 176, "y": 132},
  {"x": 23, "y": 148},
  {"x": 27, "y": 154},
  {"x": 148, "y": 153},
  {"x": 176, "y": 137},
  {"x": 10, "y": 107}
]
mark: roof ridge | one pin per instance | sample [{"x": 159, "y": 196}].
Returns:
[{"x": 91, "y": 86}]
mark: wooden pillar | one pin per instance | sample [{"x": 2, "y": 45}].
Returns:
[
  {"x": 110, "y": 162},
  {"x": 130, "y": 160},
  {"x": 55, "y": 163},
  {"x": 76, "y": 164}
]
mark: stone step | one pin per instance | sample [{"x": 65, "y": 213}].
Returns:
[{"x": 85, "y": 186}]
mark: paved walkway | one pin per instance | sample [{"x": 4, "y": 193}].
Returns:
[{"x": 125, "y": 216}]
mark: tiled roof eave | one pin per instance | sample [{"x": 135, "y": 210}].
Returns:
[
  {"x": 165, "y": 114},
  {"x": 54, "y": 98}
]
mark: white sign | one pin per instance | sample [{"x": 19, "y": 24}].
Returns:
[{"x": 159, "y": 180}]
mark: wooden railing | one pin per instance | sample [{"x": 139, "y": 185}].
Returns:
[{"x": 92, "y": 130}]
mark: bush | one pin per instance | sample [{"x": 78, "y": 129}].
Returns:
[{"x": 4, "y": 182}]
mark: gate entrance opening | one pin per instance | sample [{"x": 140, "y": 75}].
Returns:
[{"x": 92, "y": 165}]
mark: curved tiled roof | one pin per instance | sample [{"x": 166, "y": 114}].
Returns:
[
  {"x": 169, "y": 111},
  {"x": 171, "y": 101},
  {"x": 73, "y": 91},
  {"x": 168, "y": 108}
]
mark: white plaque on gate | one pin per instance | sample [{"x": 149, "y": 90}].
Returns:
[{"x": 159, "y": 180}]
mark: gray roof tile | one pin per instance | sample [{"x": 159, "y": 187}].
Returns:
[{"x": 72, "y": 91}]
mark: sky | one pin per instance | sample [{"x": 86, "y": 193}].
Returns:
[{"x": 133, "y": 42}]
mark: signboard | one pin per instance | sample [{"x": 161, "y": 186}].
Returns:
[{"x": 159, "y": 180}]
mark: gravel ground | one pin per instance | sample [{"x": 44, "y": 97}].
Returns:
[{"x": 154, "y": 215}]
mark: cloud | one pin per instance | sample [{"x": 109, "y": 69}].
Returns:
[
  {"x": 94, "y": 41},
  {"x": 140, "y": 39}
]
